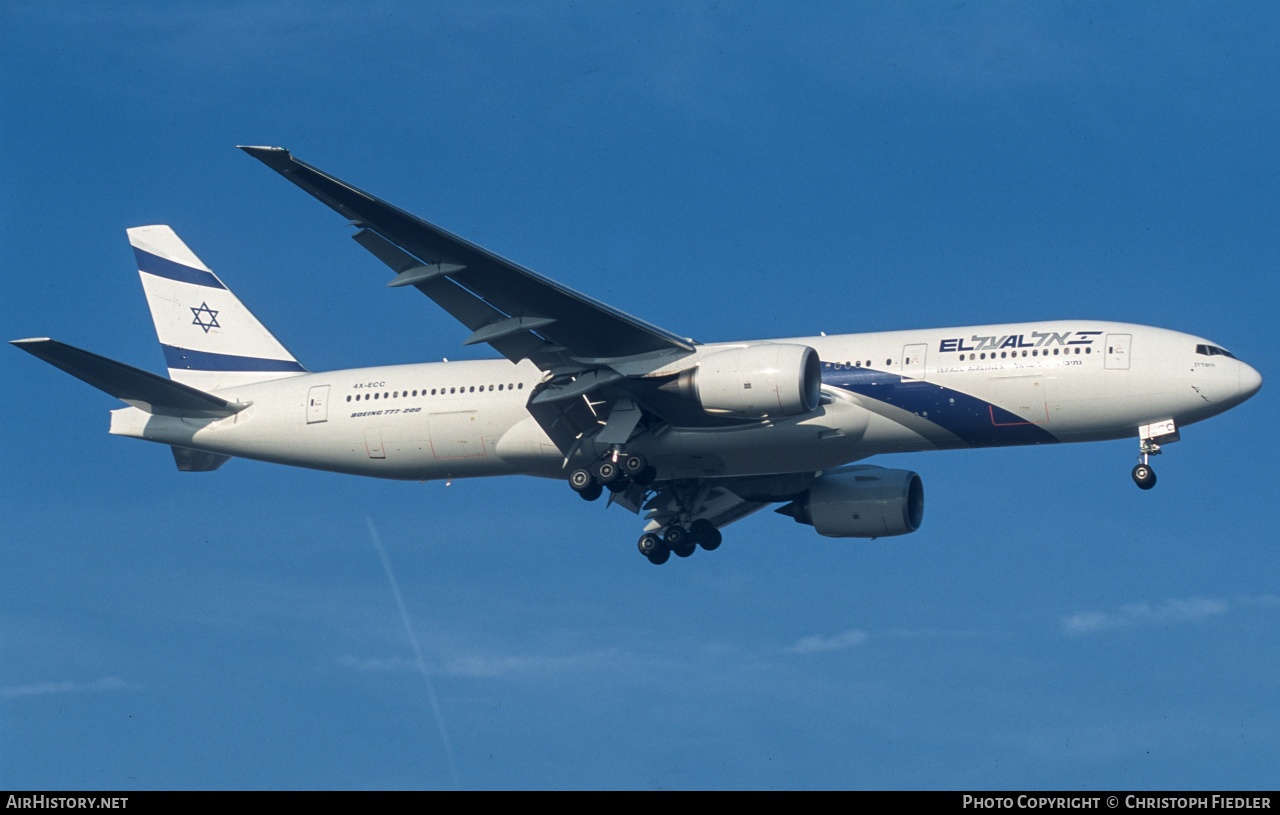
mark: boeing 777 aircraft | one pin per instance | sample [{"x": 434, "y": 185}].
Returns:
[{"x": 694, "y": 435}]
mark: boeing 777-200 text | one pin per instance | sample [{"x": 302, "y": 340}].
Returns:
[{"x": 693, "y": 435}]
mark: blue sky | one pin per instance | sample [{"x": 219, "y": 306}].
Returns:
[{"x": 727, "y": 171}]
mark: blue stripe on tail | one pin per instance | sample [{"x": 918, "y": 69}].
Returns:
[
  {"x": 185, "y": 358},
  {"x": 163, "y": 267}
]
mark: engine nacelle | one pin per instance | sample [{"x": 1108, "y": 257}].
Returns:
[
  {"x": 863, "y": 502},
  {"x": 770, "y": 379}
]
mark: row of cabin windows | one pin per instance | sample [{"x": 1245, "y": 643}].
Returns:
[
  {"x": 434, "y": 391},
  {"x": 1005, "y": 355},
  {"x": 1034, "y": 353}
]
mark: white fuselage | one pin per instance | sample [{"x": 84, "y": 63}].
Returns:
[{"x": 1027, "y": 383}]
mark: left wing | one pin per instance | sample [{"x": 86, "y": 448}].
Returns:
[{"x": 520, "y": 313}]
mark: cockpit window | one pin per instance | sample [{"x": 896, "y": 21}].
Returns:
[{"x": 1213, "y": 351}]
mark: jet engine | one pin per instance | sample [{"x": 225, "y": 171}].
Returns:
[
  {"x": 861, "y": 502},
  {"x": 769, "y": 379}
]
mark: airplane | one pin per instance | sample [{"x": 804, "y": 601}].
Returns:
[{"x": 694, "y": 435}]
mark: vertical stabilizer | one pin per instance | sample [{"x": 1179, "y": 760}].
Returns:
[{"x": 210, "y": 340}]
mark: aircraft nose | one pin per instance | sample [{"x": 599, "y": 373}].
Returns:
[{"x": 1250, "y": 381}]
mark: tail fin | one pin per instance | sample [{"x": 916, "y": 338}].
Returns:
[{"x": 210, "y": 339}]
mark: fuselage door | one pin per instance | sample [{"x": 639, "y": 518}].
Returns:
[
  {"x": 913, "y": 361},
  {"x": 318, "y": 404},
  {"x": 373, "y": 443},
  {"x": 1118, "y": 346},
  {"x": 456, "y": 435}
]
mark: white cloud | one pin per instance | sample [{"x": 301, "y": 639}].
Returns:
[
  {"x": 1141, "y": 614},
  {"x": 817, "y": 643},
  {"x": 46, "y": 688},
  {"x": 488, "y": 666}
]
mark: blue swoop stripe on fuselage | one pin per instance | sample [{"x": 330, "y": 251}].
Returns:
[
  {"x": 975, "y": 421},
  {"x": 186, "y": 359},
  {"x": 163, "y": 267}
]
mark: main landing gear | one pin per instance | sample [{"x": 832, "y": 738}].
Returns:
[
  {"x": 617, "y": 471},
  {"x": 679, "y": 539}
]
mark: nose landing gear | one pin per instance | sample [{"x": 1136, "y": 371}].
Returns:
[
  {"x": 1143, "y": 475},
  {"x": 1150, "y": 436}
]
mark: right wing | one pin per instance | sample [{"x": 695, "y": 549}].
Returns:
[{"x": 519, "y": 312}]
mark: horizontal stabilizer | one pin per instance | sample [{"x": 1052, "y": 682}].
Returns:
[{"x": 137, "y": 387}]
